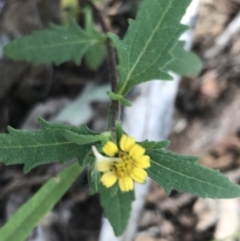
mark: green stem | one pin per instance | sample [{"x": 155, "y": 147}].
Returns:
[{"x": 114, "y": 114}]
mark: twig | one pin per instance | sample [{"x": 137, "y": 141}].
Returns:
[
  {"x": 115, "y": 110},
  {"x": 110, "y": 50},
  {"x": 223, "y": 39},
  {"x": 24, "y": 182},
  {"x": 33, "y": 181}
]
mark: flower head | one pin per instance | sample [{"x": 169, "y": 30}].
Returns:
[{"x": 124, "y": 163}]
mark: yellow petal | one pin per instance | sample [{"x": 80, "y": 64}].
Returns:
[
  {"x": 137, "y": 152},
  {"x": 126, "y": 184},
  {"x": 143, "y": 162},
  {"x": 126, "y": 142},
  {"x": 110, "y": 149},
  {"x": 108, "y": 179},
  {"x": 139, "y": 175},
  {"x": 103, "y": 166}
]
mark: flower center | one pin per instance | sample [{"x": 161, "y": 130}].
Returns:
[{"x": 123, "y": 167}]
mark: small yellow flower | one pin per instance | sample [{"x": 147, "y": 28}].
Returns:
[{"x": 124, "y": 164}]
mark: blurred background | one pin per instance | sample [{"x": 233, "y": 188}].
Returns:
[{"x": 206, "y": 121}]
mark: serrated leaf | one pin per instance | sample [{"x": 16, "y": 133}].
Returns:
[
  {"x": 119, "y": 98},
  {"x": 154, "y": 144},
  {"x": 183, "y": 173},
  {"x": 186, "y": 63},
  {"x": 84, "y": 139},
  {"x": 116, "y": 207},
  {"x": 28, "y": 215},
  {"x": 57, "y": 44},
  {"x": 83, "y": 129},
  {"x": 146, "y": 48},
  {"x": 34, "y": 148}
]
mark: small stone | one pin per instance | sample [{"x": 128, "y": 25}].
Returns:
[
  {"x": 150, "y": 218},
  {"x": 144, "y": 236}
]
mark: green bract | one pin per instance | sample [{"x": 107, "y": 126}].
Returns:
[{"x": 119, "y": 98}]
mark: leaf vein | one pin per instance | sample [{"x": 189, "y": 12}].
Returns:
[{"x": 145, "y": 47}]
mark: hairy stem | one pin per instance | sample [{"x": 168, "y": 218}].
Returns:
[{"x": 115, "y": 107}]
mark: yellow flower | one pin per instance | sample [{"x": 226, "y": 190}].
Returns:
[{"x": 124, "y": 163}]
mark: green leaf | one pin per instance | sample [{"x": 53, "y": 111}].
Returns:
[
  {"x": 56, "y": 44},
  {"x": 119, "y": 131},
  {"x": 88, "y": 158},
  {"x": 119, "y": 98},
  {"x": 116, "y": 207},
  {"x": 30, "y": 214},
  {"x": 186, "y": 63},
  {"x": 146, "y": 48},
  {"x": 83, "y": 129},
  {"x": 93, "y": 175},
  {"x": 34, "y": 148},
  {"x": 96, "y": 54},
  {"x": 184, "y": 174},
  {"x": 154, "y": 145},
  {"x": 114, "y": 189},
  {"x": 84, "y": 139}
]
